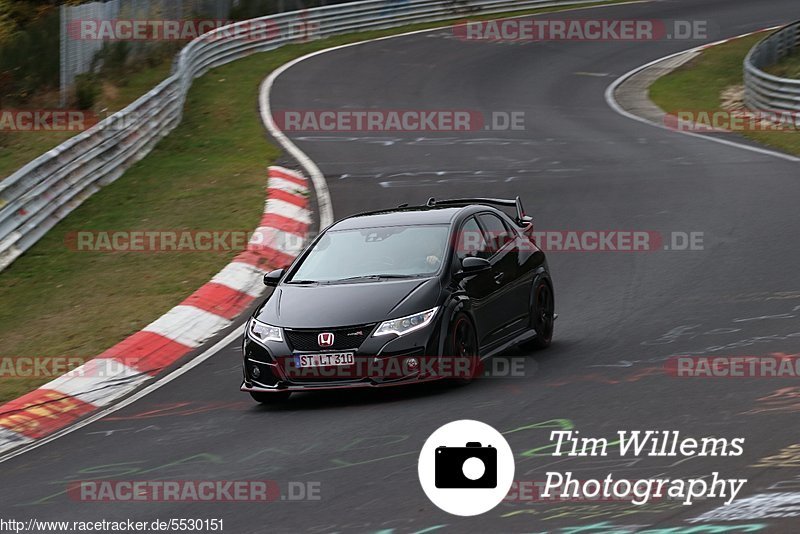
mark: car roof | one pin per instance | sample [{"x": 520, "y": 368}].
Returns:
[{"x": 401, "y": 217}]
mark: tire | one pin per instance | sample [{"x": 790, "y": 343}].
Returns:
[
  {"x": 542, "y": 314},
  {"x": 462, "y": 342},
  {"x": 270, "y": 398}
]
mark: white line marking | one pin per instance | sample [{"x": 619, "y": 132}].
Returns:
[
  {"x": 317, "y": 178},
  {"x": 612, "y": 102},
  {"x": 10, "y": 439}
]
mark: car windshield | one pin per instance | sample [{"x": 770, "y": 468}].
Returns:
[{"x": 374, "y": 253}]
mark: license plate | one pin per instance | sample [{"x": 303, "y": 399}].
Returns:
[{"x": 324, "y": 360}]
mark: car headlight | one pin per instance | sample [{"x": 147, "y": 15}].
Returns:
[
  {"x": 407, "y": 324},
  {"x": 265, "y": 332}
]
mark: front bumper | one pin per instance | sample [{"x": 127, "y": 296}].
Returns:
[
  {"x": 255, "y": 387},
  {"x": 379, "y": 362}
]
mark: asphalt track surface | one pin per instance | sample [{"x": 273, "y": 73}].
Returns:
[{"x": 578, "y": 165}]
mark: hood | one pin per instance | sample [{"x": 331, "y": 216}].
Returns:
[{"x": 335, "y": 305}]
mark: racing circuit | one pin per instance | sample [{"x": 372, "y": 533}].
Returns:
[{"x": 578, "y": 164}]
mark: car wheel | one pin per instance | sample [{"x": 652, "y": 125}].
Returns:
[
  {"x": 462, "y": 343},
  {"x": 542, "y": 314},
  {"x": 270, "y": 398}
]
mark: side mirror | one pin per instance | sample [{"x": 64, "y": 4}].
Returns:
[
  {"x": 272, "y": 278},
  {"x": 472, "y": 265}
]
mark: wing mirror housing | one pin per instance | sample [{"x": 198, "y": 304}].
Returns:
[
  {"x": 472, "y": 265},
  {"x": 272, "y": 278}
]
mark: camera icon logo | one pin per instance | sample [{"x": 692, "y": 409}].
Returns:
[
  {"x": 472, "y": 466},
  {"x": 466, "y": 467}
]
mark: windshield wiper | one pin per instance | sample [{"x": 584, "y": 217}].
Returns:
[
  {"x": 303, "y": 282},
  {"x": 373, "y": 277}
]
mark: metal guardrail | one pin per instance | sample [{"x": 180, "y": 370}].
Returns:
[
  {"x": 37, "y": 196},
  {"x": 763, "y": 91}
]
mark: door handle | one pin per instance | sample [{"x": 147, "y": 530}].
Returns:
[{"x": 498, "y": 278}]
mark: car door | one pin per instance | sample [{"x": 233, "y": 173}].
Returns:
[
  {"x": 509, "y": 300},
  {"x": 471, "y": 242}
]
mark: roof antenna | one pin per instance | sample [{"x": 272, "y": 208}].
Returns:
[{"x": 431, "y": 202}]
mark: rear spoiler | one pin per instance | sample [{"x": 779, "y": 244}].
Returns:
[{"x": 521, "y": 219}]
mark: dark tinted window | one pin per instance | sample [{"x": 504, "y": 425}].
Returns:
[
  {"x": 470, "y": 241},
  {"x": 497, "y": 233}
]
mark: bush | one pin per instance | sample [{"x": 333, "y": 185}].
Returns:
[
  {"x": 87, "y": 89},
  {"x": 29, "y": 59},
  {"x": 112, "y": 60}
]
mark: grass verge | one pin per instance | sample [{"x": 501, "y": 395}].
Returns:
[
  {"x": 698, "y": 86},
  {"x": 209, "y": 173},
  {"x": 788, "y": 67}
]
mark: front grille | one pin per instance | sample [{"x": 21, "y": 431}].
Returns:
[{"x": 343, "y": 338}]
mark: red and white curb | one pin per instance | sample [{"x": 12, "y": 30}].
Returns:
[{"x": 212, "y": 308}]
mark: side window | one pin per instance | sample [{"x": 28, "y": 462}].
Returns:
[
  {"x": 470, "y": 241},
  {"x": 497, "y": 233}
]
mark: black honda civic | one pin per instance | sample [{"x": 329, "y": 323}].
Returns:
[{"x": 401, "y": 296}]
